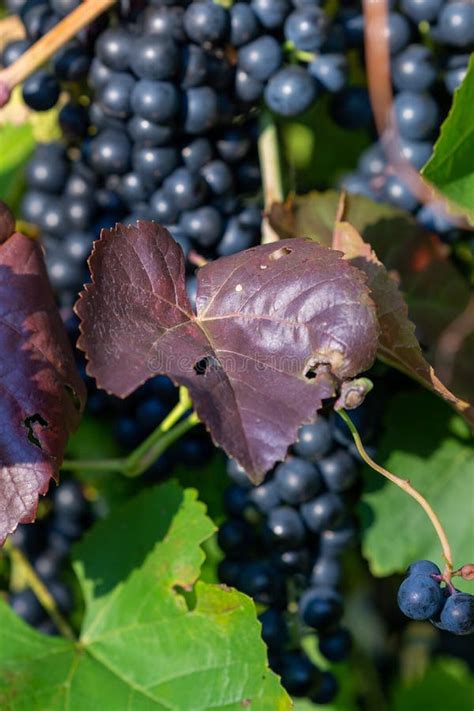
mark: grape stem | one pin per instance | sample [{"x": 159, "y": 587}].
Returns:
[
  {"x": 269, "y": 154},
  {"x": 405, "y": 485},
  {"x": 44, "y": 48},
  {"x": 378, "y": 66},
  {"x": 137, "y": 462},
  {"x": 34, "y": 582}
]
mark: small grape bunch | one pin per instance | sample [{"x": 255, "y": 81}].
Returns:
[{"x": 421, "y": 597}]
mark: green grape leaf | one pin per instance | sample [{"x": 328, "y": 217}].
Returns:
[
  {"x": 446, "y": 684},
  {"x": 450, "y": 167},
  {"x": 426, "y": 443},
  {"x": 16, "y": 146},
  {"x": 152, "y": 637}
]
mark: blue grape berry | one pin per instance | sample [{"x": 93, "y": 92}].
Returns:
[
  {"x": 421, "y": 10},
  {"x": 416, "y": 114},
  {"x": 420, "y": 597},
  {"x": 335, "y": 644},
  {"x": 326, "y": 690},
  {"x": 286, "y": 527},
  {"x": 297, "y": 480},
  {"x": 456, "y": 24},
  {"x": 244, "y": 25},
  {"x": 413, "y": 69},
  {"x": 261, "y": 58},
  {"x": 271, "y": 13},
  {"x": 314, "y": 441},
  {"x": 324, "y": 511},
  {"x": 423, "y": 567},
  {"x": 457, "y": 615},
  {"x": 206, "y": 22},
  {"x": 290, "y": 91},
  {"x": 41, "y": 91},
  {"x": 330, "y": 70},
  {"x": 306, "y": 28},
  {"x": 320, "y": 607}
]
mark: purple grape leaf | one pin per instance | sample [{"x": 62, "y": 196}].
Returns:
[
  {"x": 278, "y": 329},
  {"x": 398, "y": 344},
  {"x": 42, "y": 395},
  {"x": 436, "y": 292}
]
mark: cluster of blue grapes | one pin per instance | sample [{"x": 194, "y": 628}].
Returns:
[
  {"x": 421, "y": 597},
  {"x": 47, "y": 546},
  {"x": 429, "y": 61},
  {"x": 42, "y": 89},
  {"x": 283, "y": 543}
]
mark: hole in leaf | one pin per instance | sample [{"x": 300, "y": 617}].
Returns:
[
  {"x": 202, "y": 366},
  {"x": 279, "y": 253},
  {"x": 29, "y": 423},
  {"x": 188, "y": 594},
  {"x": 314, "y": 369},
  {"x": 74, "y": 397}
]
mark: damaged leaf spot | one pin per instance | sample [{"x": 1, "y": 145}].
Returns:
[
  {"x": 279, "y": 253},
  {"x": 29, "y": 423},
  {"x": 76, "y": 400},
  {"x": 202, "y": 366}
]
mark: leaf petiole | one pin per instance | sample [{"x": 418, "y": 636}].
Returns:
[
  {"x": 270, "y": 166},
  {"x": 172, "y": 428},
  {"x": 405, "y": 485}
]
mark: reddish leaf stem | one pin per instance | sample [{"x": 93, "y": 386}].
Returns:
[
  {"x": 196, "y": 259},
  {"x": 45, "y": 47},
  {"x": 377, "y": 61},
  {"x": 405, "y": 485}
]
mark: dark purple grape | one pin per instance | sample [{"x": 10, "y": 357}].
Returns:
[
  {"x": 261, "y": 58},
  {"x": 457, "y": 615},
  {"x": 420, "y": 597},
  {"x": 290, "y": 91},
  {"x": 41, "y": 91},
  {"x": 113, "y": 48},
  {"x": 206, "y": 22},
  {"x": 335, "y": 644},
  {"x": 154, "y": 57},
  {"x": 286, "y": 527},
  {"x": 297, "y": 480}
]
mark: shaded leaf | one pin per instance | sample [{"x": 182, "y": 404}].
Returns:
[
  {"x": 446, "y": 683},
  {"x": 428, "y": 444},
  {"x": 306, "y": 151},
  {"x": 141, "y": 645},
  {"x": 16, "y": 146},
  {"x": 313, "y": 215},
  {"x": 42, "y": 395},
  {"x": 278, "y": 329},
  {"x": 95, "y": 439},
  {"x": 398, "y": 344},
  {"x": 450, "y": 167}
]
